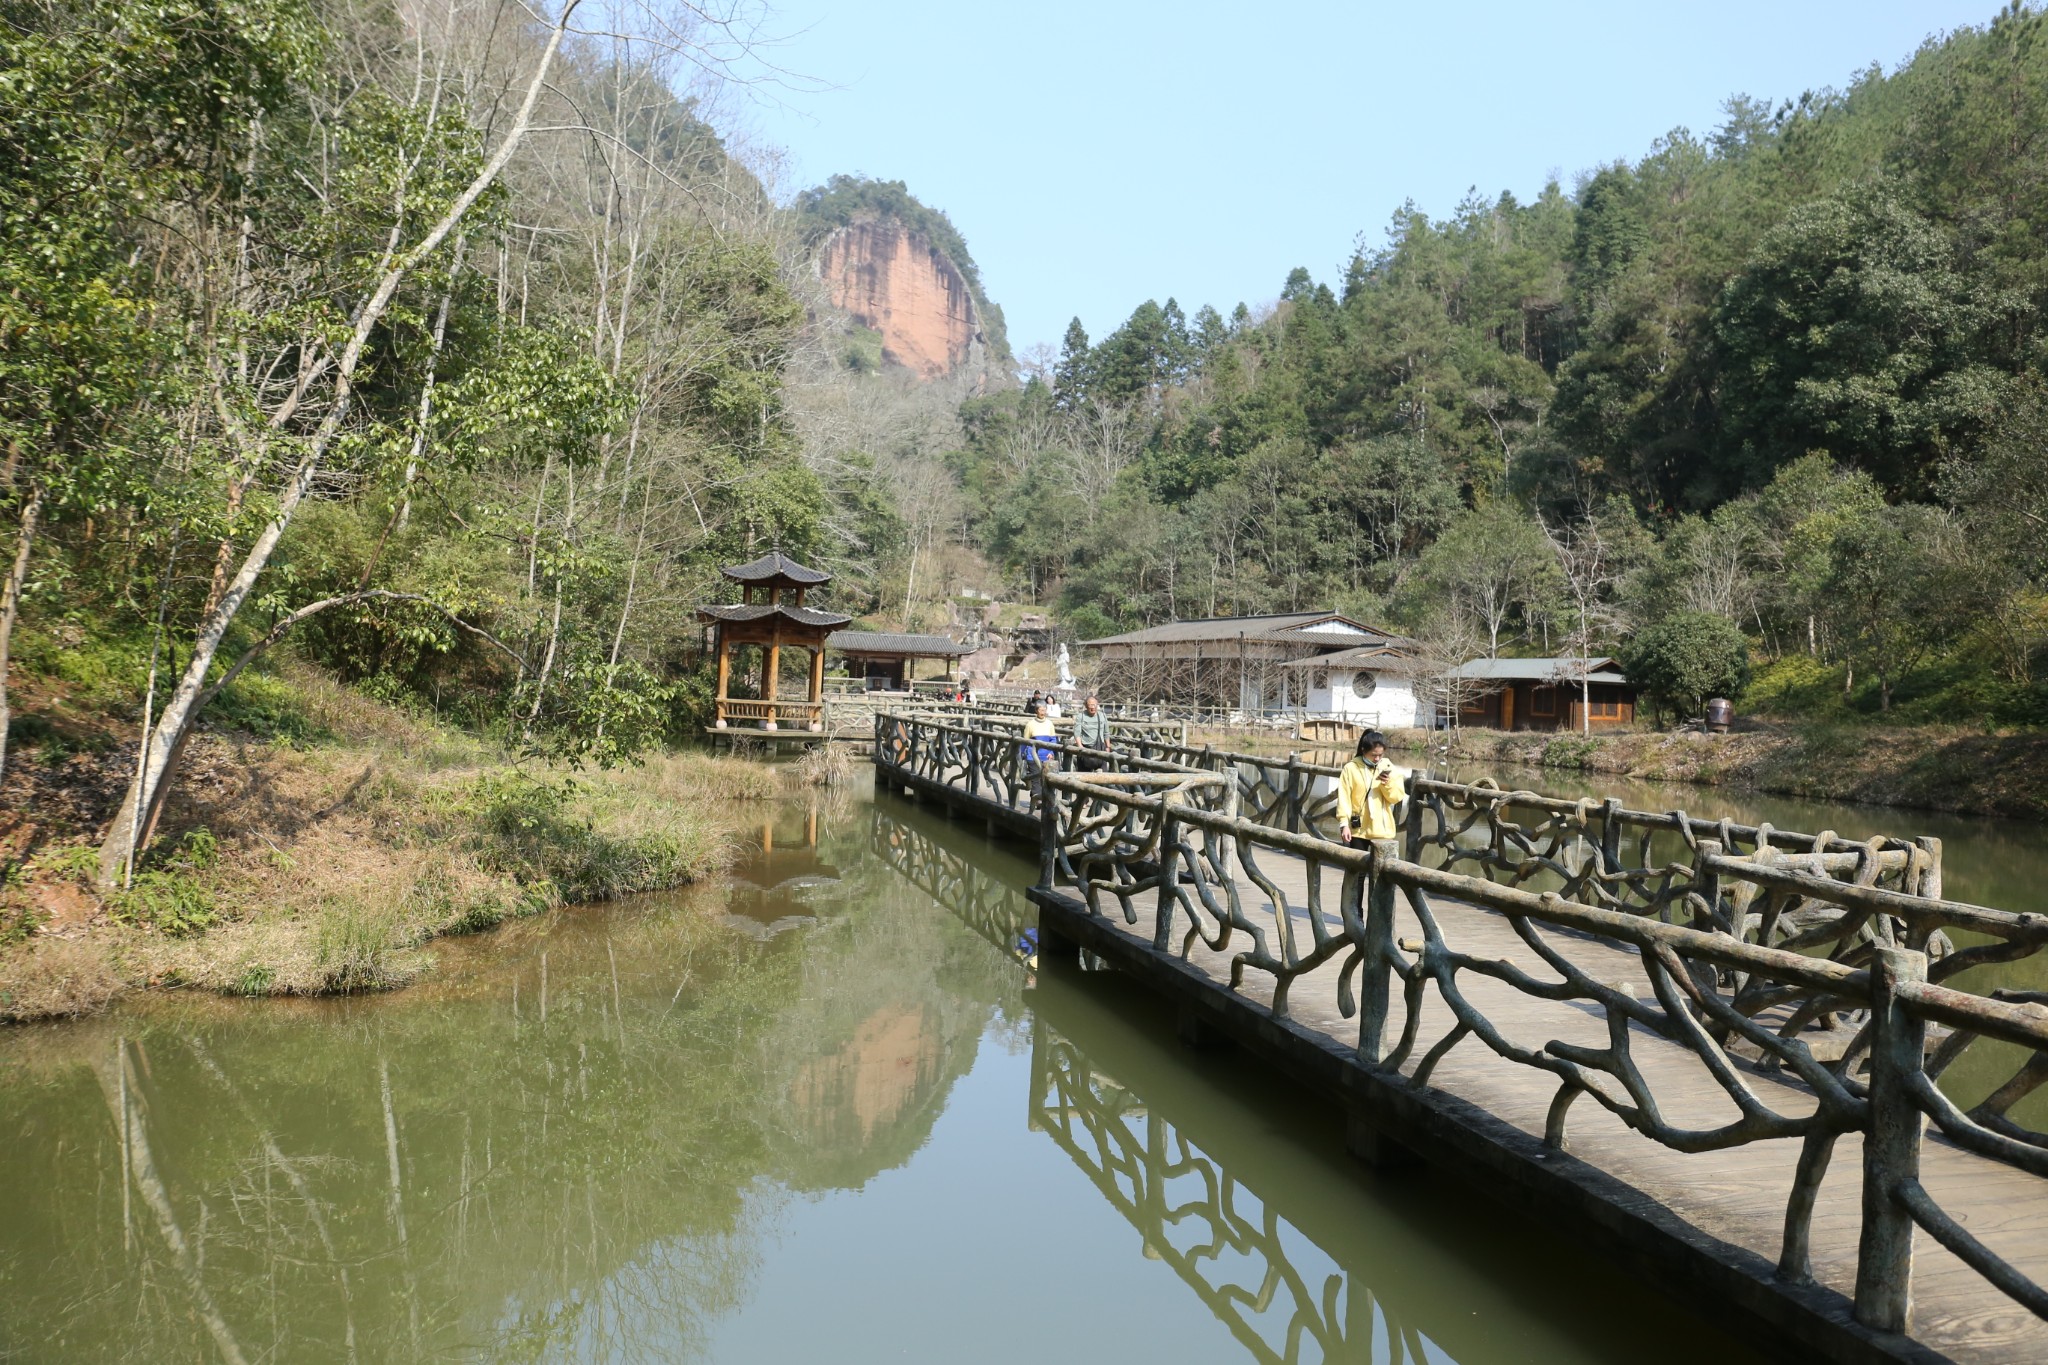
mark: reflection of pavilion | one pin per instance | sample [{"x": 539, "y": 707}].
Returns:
[{"x": 770, "y": 881}]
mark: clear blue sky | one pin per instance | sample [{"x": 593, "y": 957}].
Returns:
[{"x": 1098, "y": 155}]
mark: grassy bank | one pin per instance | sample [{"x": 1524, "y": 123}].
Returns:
[
  {"x": 1923, "y": 767},
  {"x": 319, "y": 865}
]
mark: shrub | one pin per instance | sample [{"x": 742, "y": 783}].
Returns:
[
  {"x": 169, "y": 901},
  {"x": 1685, "y": 659}
]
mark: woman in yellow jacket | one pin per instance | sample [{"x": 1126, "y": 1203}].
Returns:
[{"x": 1368, "y": 789}]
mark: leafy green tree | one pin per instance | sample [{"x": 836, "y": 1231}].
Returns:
[
  {"x": 1901, "y": 584},
  {"x": 1490, "y": 566},
  {"x": 1857, "y": 329},
  {"x": 1686, "y": 658}
]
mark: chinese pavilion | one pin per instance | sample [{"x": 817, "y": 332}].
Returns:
[{"x": 763, "y": 618}]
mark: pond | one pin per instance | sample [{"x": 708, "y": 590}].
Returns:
[{"x": 822, "y": 1112}]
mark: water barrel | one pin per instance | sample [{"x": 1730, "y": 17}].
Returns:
[{"x": 1720, "y": 714}]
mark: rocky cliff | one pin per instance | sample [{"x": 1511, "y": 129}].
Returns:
[{"x": 893, "y": 280}]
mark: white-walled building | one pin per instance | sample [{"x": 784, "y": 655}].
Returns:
[
  {"x": 1242, "y": 662},
  {"x": 1372, "y": 685}
]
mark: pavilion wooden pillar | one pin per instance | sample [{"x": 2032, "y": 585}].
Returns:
[
  {"x": 724, "y": 678},
  {"x": 771, "y": 674},
  {"x": 818, "y": 687}
]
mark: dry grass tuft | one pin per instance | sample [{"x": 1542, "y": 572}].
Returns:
[
  {"x": 825, "y": 765},
  {"x": 691, "y": 777},
  {"x": 55, "y": 977}
]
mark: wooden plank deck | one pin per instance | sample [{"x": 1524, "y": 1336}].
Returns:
[{"x": 1736, "y": 1196}]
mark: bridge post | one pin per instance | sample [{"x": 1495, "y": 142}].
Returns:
[
  {"x": 1610, "y": 836},
  {"x": 1169, "y": 878},
  {"x": 1049, "y": 839},
  {"x": 1375, "y": 975},
  {"x": 1891, "y": 1151}
]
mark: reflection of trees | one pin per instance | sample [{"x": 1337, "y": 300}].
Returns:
[{"x": 587, "y": 1177}]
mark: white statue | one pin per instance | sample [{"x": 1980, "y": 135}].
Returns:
[{"x": 1066, "y": 667}]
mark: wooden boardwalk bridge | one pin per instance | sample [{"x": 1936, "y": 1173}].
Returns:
[{"x": 1711, "y": 1049}]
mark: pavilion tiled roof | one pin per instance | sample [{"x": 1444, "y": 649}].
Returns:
[
  {"x": 756, "y": 611},
  {"x": 880, "y": 642},
  {"x": 776, "y": 566}
]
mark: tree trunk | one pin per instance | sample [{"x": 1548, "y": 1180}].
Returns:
[
  {"x": 426, "y": 413},
  {"x": 167, "y": 741},
  {"x": 10, "y": 607}
]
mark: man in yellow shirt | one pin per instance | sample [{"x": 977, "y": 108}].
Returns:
[{"x": 1368, "y": 789}]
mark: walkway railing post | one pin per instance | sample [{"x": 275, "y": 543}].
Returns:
[
  {"x": 1610, "y": 836},
  {"x": 1375, "y": 977},
  {"x": 1411, "y": 825},
  {"x": 1169, "y": 876},
  {"x": 973, "y": 762},
  {"x": 1891, "y": 1152},
  {"x": 1049, "y": 839}
]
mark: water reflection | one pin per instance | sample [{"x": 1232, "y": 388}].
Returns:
[
  {"x": 1239, "y": 1186},
  {"x": 655, "y": 1133},
  {"x": 1285, "y": 1298},
  {"x": 572, "y": 1145}
]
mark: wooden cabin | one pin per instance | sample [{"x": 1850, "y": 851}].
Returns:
[
  {"x": 1544, "y": 694},
  {"x": 888, "y": 663}
]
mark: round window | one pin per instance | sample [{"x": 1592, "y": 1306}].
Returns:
[{"x": 1363, "y": 684}]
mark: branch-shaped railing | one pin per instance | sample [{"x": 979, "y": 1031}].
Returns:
[
  {"x": 1779, "y": 888},
  {"x": 1280, "y": 905}
]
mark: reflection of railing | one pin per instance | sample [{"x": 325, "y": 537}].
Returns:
[
  {"x": 991, "y": 906},
  {"x": 1199, "y": 1220},
  {"x": 1728, "y": 1008}
]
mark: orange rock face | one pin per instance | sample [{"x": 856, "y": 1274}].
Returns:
[{"x": 895, "y": 281}]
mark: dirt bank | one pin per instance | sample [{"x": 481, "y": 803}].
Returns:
[
  {"x": 1927, "y": 768},
  {"x": 323, "y": 867}
]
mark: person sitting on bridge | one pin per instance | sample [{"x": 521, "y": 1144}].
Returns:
[{"x": 1368, "y": 789}]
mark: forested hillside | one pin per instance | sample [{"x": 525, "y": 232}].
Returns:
[
  {"x": 447, "y": 350},
  {"x": 453, "y": 353},
  {"x": 1784, "y": 380}
]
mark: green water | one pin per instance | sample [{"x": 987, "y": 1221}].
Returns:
[{"x": 821, "y": 1114}]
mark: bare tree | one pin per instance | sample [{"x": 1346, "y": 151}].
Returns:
[{"x": 1585, "y": 560}]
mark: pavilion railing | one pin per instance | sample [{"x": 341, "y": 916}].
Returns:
[
  {"x": 1735, "y": 1010},
  {"x": 781, "y": 711}
]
